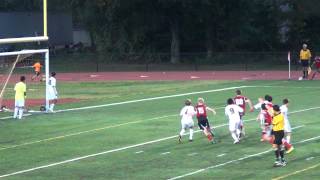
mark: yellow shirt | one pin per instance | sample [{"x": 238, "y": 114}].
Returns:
[
  {"x": 278, "y": 122},
  {"x": 20, "y": 90},
  {"x": 305, "y": 54}
]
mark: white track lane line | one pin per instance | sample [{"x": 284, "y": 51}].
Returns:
[
  {"x": 236, "y": 160},
  {"x": 101, "y": 153}
]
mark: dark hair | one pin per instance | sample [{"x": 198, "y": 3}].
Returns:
[
  {"x": 187, "y": 102},
  {"x": 285, "y": 101},
  {"x": 263, "y": 106},
  {"x": 238, "y": 91},
  {"x": 268, "y": 98},
  {"x": 53, "y": 74},
  {"x": 22, "y": 78},
  {"x": 276, "y": 108},
  {"x": 230, "y": 101}
]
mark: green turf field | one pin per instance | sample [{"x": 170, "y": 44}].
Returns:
[{"x": 136, "y": 138}]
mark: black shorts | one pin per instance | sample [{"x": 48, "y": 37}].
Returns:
[
  {"x": 203, "y": 122},
  {"x": 37, "y": 73},
  {"x": 305, "y": 63},
  {"x": 278, "y": 136}
]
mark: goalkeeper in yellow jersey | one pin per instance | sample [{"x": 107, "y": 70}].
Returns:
[{"x": 20, "y": 95}]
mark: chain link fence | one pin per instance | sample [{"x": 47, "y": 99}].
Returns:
[{"x": 240, "y": 61}]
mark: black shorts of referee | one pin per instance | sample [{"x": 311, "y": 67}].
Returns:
[
  {"x": 305, "y": 63},
  {"x": 278, "y": 136}
]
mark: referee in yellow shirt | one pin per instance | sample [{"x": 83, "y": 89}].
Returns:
[
  {"x": 305, "y": 56},
  {"x": 20, "y": 89},
  {"x": 278, "y": 133}
]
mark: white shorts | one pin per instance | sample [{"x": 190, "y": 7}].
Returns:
[
  {"x": 187, "y": 124},
  {"x": 52, "y": 95},
  {"x": 287, "y": 126},
  {"x": 19, "y": 103},
  {"x": 233, "y": 125}
]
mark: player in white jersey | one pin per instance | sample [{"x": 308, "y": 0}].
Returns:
[
  {"x": 53, "y": 94},
  {"x": 187, "y": 113},
  {"x": 233, "y": 112},
  {"x": 287, "y": 126}
]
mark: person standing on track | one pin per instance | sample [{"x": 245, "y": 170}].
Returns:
[
  {"x": 305, "y": 56},
  {"x": 37, "y": 70}
]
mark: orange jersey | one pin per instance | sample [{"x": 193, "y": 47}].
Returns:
[{"x": 37, "y": 67}]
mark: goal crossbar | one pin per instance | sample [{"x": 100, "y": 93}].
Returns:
[{"x": 24, "y": 39}]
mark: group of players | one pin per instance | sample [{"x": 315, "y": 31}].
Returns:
[
  {"x": 21, "y": 92},
  {"x": 275, "y": 126}
]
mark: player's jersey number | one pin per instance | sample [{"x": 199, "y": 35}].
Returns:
[
  {"x": 201, "y": 110},
  {"x": 231, "y": 110},
  {"x": 239, "y": 102}
]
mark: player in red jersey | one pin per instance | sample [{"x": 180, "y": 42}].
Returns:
[
  {"x": 267, "y": 120},
  {"x": 241, "y": 101},
  {"x": 203, "y": 122},
  {"x": 316, "y": 63}
]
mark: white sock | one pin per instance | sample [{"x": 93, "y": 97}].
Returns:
[
  {"x": 234, "y": 136},
  {"x": 182, "y": 132},
  {"x": 191, "y": 134},
  {"x": 20, "y": 113},
  {"x": 16, "y": 110},
  {"x": 288, "y": 139},
  {"x": 51, "y": 107},
  {"x": 238, "y": 131}
]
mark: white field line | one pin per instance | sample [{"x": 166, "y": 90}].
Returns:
[
  {"x": 236, "y": 160},
  {"x": 165, "y": 153},
  {"x": 150, "y": 99},
  {"x": 107, "y": 152},
  {"x": 113, "y": 126},
  {"x": 88, "y": 131},
  {"x": 83, "y": 132},
  {"x": 98, "y": 154}
]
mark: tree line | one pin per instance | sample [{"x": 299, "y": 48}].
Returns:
[{"x": 184, "y": 26}]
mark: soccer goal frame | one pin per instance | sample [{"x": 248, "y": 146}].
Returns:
[{"x": 37, "y": 51}]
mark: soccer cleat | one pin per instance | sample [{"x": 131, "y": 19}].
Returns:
[
  {"x": 213, "y": 141},
  {"x": 190, "y": 140},
  {"x": 290, "y": 150},
  {"x": 180, "y": 139},
  {"x": 283, "y": 163},
  {"x": 236, "y": 142},
  {"x": 277, "y": 164}
]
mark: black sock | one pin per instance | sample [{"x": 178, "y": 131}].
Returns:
[
  {"x": 304, "y": 74},
  {"x": 277, "y": 153},
  {"x": 282, "y": 154}
]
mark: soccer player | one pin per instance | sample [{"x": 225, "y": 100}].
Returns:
[
  {"x": 266, "y": 120},
  {"x": 287, "y": 127},
  {"x": 203, "y": 122},
  {"x": 20, "y": 94},
  {"x": 305, "y": 56},
  {"x": 316, "y": 63},
  {"x": 278, "y": 134},
  {"x": 53, "y": 94},
  {"x": 232, "y": 111},
  {"x": 37, "y": 70},
  {"x": 241, "y": 101},
  {"x": 186, "y": 113}
]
